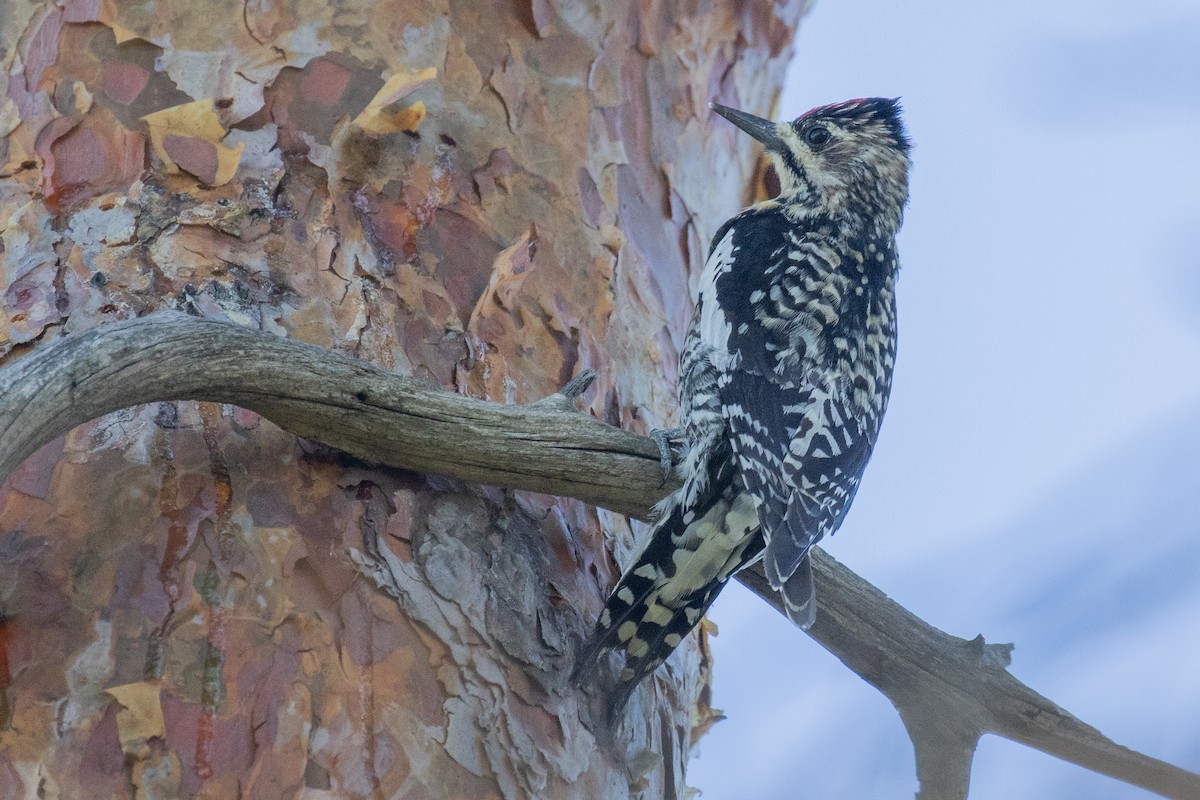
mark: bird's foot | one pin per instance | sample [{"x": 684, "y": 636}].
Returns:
[{"x": 668, "y": 441}]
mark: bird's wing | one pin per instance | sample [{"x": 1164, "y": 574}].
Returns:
[
  {"x": 799, "y": 447},
  {"x": 801, "y": 454}
]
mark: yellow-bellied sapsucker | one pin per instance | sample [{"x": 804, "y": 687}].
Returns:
[{"x": 784, "y": 378}]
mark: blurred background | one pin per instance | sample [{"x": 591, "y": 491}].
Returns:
[{"x": 1038, "y": 475}]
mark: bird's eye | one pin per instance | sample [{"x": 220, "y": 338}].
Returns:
[{"x": 817, "y": 136}]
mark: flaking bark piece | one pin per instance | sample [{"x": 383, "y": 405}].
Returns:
[
  {"x": 187, "y": 138},
  {"x": 382, "y": 115}
]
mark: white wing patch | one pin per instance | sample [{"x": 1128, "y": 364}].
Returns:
[{"x": 714, "y": 327}]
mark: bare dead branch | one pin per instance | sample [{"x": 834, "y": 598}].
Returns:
[
  {"x": 949, "y": 691},
  {"x": 327, "y": 397}
]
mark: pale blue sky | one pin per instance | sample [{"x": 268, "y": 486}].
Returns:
[{"x": 1036, "y": 475}]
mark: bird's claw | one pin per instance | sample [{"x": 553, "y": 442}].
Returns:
[{"x": 663, "y": 438}]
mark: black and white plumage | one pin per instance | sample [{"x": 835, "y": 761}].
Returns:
[{"x": 784, "y": 378}]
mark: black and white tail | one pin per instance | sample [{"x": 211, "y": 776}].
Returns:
[{"x": 693, "y": 551}]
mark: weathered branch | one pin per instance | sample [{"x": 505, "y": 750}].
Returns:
[
  {"x": 948, "y": 690},
  {"x": 324, "y": 396}
]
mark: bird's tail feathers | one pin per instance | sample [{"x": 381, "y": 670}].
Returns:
[
  {"x": 800, "y": 595},
  {"x": 668, "y": 589},
  {"x": 643, "y": 618},
  {"x": 624, "y": 601},
  {"x": 625, "y": 604},
  {"x": 791, "y": 538},
  {"x": 787, "y": 566}
]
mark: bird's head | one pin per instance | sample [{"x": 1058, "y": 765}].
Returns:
[{"x": 846, "y": 157}]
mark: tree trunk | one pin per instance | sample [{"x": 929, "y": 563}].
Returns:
[{"x": 488, "y": 197}]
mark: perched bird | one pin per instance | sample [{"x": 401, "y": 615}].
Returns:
[{"x": 784, "y": 378}]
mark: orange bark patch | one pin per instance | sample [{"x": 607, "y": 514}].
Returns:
[
  {"x": 396, "y": 215},
  {"x": 466, "y": 247},
  {"x": 84, "y": 158},
  {"x": 188, "y": 137},
  {"x": 494, "y": 176},
  {"x": 123, "y": 76},
  {"x": 122, "y": 82},
  {"x": 493, "y": 322},
  {"x": 313, "y": 100},
  {"x": 384, "y": 115}
]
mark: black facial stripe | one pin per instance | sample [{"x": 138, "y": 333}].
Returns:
[{"x": 793, "y": 166}]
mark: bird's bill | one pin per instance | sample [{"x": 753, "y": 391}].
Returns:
[{"x": 761, "y": 129}]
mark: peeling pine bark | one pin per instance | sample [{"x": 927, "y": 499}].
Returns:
[{"x": 487, "y": 197}]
